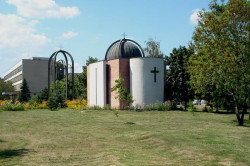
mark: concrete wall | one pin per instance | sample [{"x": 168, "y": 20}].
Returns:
[
  {"x": 97, "y": 84},
  {"x": 36, "y": 74},
  {"x": 143, "y": 87}
]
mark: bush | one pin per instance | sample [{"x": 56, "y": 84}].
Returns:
[
  {"x": 35, "y": 105},
  {"x": 13, "y": 107},
  {"x": 3, "y": 102},
  {"x": 60, "y": 100},
  {"x": 77, "y": 104},
  {"x": 191, "y": 107},
  {"x": 96, "y": 107},
  {"x": 52, "y": 103},
  {"x": 204, "y": 109}
]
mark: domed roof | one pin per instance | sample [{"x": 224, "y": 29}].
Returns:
[{"x": 125, "y": 48}]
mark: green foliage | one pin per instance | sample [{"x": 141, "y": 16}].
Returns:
[
  {"x": 60, "y": 99},
  {"x": 60, "y": 70},
  {"x": 43, "y": 95},
  {"x": 191, "y": 107},
  {"x": 24, "y": 95},
  {"x": 80, "y": 82},
  {"x": 96, "y": 107},
  {"x": 34, "y": 99},
  {"x": 13, "y": 107},
  {"x": 52, "y": 103},
  {"x": 205, "y": 109},
  {"x": 177, "y": 87},
  {"x": 5, "y": 87},
  {"x": 153, "y": 49},
  {"x": 167, "y": 106},
  {"x": 122, "y": 92},
  {"x": 221, "y": 64},
  {"x": 107, "y": 107},
  {"x": 116, "y": 113}
]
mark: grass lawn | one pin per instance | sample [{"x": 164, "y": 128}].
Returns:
[{"x": 69, "y": 137}]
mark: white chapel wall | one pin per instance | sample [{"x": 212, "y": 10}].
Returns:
[
  {"x": 97, "y": 84},
  {"x": 143, "y": 86}
]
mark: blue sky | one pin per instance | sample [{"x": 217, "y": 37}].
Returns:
[{"x": 30, "y": 28}]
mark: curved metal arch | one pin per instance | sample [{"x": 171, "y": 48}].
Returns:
[
  {"x": 137, "y": 45},
  {"x": 120, "y": 43},
  {"x": 53, "y": 56}
]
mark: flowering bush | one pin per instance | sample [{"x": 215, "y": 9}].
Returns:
[
  {"x": 3, "y": 102},
  {"x": 36, "y": 105},
  {"x": 77, "y": 104},
  {"x": 8, "y": 106}
]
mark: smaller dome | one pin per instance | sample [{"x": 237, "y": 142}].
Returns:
[{"x": 124, "y": 48}]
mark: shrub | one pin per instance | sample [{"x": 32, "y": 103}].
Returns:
[
  {"x": 204, "y": 109},
  {"x": 107, "y": 107},
  {"x": 96, "y": 107},
  {"x": 60, "y": 100},
  {"x": 191, "y": 108},
  {"x": 149, "y": 107},
  {"x": 52, "y": 103},
  {"x": 35, "y": 105},
  {"x": 3, "y": 102},
  {"x": 77, "y": 104},
  {"x": 13, "y": 107}
]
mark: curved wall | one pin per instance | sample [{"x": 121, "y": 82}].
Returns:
[{"x": 146, "y": 86}]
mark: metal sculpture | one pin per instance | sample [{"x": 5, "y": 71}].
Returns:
[{"x": 53, "y": 69}]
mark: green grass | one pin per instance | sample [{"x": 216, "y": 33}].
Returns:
[{"x": 69, "y": 137}]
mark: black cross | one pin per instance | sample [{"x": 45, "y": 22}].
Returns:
[{"x": 154, "y": 71}]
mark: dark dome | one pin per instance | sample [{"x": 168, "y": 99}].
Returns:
[{"x": 124, "y": 48}]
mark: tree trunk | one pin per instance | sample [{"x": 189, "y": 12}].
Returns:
[
  {"x": 237, "y": 113},
  {"x": 217, "y": 107},
  {"x": 186, "y": 107},
  {"x": 249, "y": 115}
]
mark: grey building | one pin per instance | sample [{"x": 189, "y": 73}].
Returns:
[{"x": 35, "y": 71}]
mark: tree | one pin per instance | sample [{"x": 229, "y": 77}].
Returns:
[
  {"x": 221, "y": 61},
  {"x": 82, "y": 79},
  {"x": 177, "y": 86},
  {"x": 24, "y": 95},
  {"x": 43, "y": 95},
  {"x": 80, "y": 83},
  {"x": 5, "y": 87},
  {"x": 52, "y": 102},
  {"x": 153, "y": 49},
  {"x": 122, "y": 92}
]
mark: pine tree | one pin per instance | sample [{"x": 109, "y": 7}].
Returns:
[{"x": 24, "y": 95}]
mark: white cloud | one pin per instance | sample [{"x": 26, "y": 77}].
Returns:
[
  {"x": 17, "y": 32},
  {"x": 194, "y": 18},
  {"x": 43, "y": 9},
  {"x": 69, "y": 35}
]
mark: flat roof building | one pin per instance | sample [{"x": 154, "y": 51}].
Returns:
[{"x": 34, "y": 70}]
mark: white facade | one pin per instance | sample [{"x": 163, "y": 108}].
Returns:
[
  {"x": 97, "y": 84},
  {"x": 147, "y": 81}
]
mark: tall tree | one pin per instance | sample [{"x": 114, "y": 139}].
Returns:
[
  {"x": 83, "y": 77},
  {"x": 25, "y": 92},
  {"x": 80, "y": 82},
  {"x": 5, "y": 87},
  {"x": 221, "y": 58},
  {"x": 177, "y": 76},
  {"x": 153, "y": 49}
]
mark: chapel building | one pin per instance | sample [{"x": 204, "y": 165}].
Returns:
[{"x": 143, "y": 76}]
